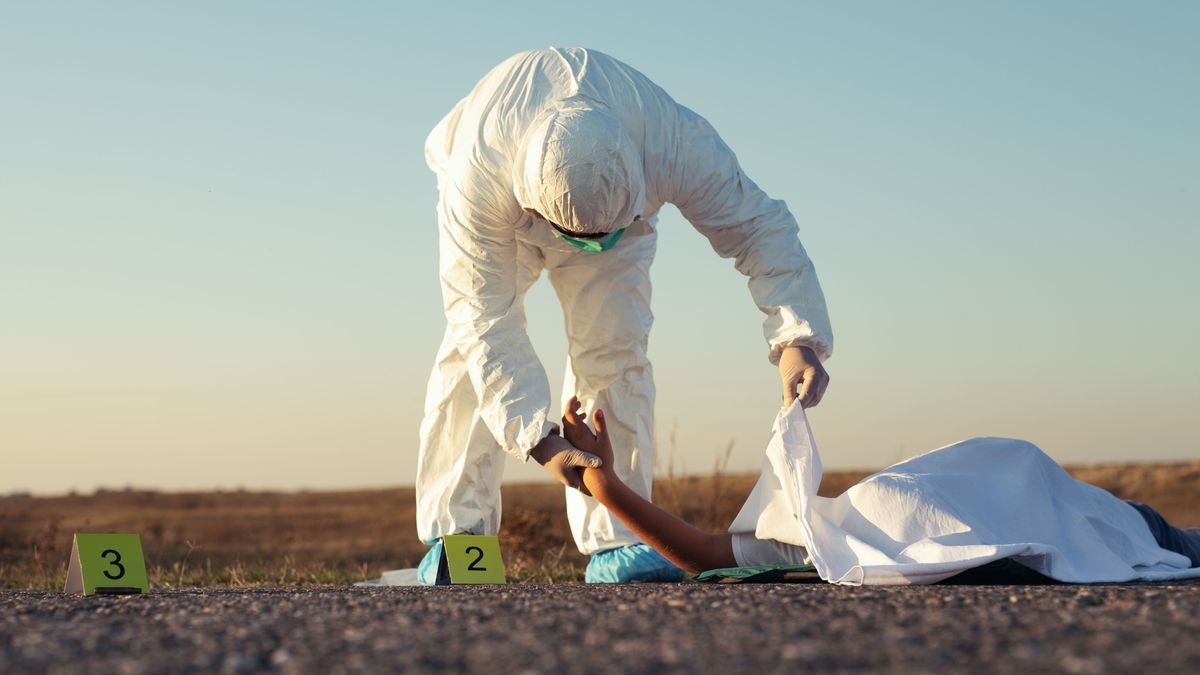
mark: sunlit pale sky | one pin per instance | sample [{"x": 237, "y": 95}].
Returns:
[{"x": 218, "y": 240}]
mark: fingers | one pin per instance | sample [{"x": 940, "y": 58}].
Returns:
[
  {"x": 582, "y": 487},
  {"x": 571, "y": 414},
  {"x": 571, "y": 469},
  {"x": 821, "y": 390},
  {"x": 815, "y": 382},
  {"x": 575, "y": 428},
  {"x": 601, "y": 425},
  {"x": 566, "y": 468},
  {"x": 571, "y": 478},
  {"x": 806, "y": 385},
  {"x": 582, "y": 459}
]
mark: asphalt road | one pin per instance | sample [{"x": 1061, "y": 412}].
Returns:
[{"x": 621, "y": 629}]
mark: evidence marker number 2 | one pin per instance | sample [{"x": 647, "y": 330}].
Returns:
[{"x": 473, "y": 559}]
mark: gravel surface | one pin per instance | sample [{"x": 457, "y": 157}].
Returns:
[{"x": 637, "y": 628}]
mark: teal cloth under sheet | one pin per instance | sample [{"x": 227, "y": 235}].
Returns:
[{"x": 761, "y": 574}]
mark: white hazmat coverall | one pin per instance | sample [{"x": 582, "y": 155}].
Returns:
[{"x": 497, "y": 153}]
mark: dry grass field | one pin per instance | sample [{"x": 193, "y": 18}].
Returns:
[{"x": 244, "y": 539}]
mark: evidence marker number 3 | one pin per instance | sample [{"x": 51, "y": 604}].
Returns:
[{"x": 106, "y": 564}]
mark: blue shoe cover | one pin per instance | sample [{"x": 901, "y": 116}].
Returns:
[
  {"x": 427, "y": 571},
  {"x": 631, "y": 563}
]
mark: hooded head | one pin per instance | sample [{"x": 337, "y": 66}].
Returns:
[{"x": 579, "y": 169}]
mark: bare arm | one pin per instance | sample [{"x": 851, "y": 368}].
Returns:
[{"x": 689, "y": 547}]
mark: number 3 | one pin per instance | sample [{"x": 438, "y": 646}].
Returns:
[
  {"x": 478, "y": 559},
  {"x": 115, "y": 562}
]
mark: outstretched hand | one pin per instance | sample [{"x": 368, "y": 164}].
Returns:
[{"x": 575, "y": 430}]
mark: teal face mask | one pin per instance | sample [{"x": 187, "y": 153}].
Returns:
[{"x": 592, "y": 245}]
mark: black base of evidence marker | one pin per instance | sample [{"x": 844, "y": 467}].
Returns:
[
  {"x": 443, "y": 573},
  {"x": 118, "y": 590}
]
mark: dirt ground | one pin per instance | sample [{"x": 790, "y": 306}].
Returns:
[
  {"x": 576, "y": 628},
  {"x": 256, "y": 582},
  {"x": 243, "y": 539}
]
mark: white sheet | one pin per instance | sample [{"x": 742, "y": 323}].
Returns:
[
  {"x": 750, "y": 551},
  {"x": 949, "y": 510},
  {"x": 405, "y": 577}
]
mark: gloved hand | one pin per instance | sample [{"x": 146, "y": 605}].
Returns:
[
  {"x": 799, "y": 366},
  {"x": 564, "y": 461}
]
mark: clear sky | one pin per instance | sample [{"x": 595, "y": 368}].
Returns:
[{"x": 218, "y": 241}]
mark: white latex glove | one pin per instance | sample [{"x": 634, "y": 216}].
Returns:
[
  {"x": 564, "y": 461},
  {"x": 800, "y": 367}
]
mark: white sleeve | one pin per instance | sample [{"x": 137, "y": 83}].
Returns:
[
  {"x": 750, "y": 551},
  {"x": 742, "y": 222},
  {"x": 478, "y": 269}
]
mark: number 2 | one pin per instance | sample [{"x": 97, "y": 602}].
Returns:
[
  {"x": 478, "y": 559},
  {"x": 115, "y": 562}
]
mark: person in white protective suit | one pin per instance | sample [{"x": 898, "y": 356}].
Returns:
[{"x": 559, "y": 160}]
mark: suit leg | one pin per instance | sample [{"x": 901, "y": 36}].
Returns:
[{"x": 606, "y": 307}]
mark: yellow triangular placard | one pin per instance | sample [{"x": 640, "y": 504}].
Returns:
[
  {"x": 474, "y": 559},
  {"x": 106, "y": 563}
]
